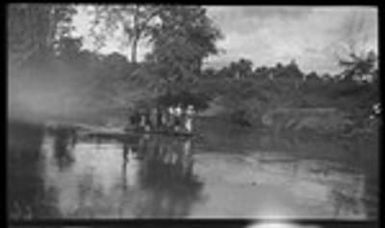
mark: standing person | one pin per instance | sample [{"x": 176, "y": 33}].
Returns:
[
  {"x": 171, "y": 117},
  {"x": 142, "y": 120},
  {"x": 154, "y": 118},
  {"x": 190, "y": 110},
  {"x": 189, "y": 117},
  {"x": 159, "y": 118},
  {"x": 147, "y": 126},
  {"x": 164, "y": 118},
  {"x": 178, "y": 118},
  {"x": 186, "y": 118},
  {"x": 135, "y": 119},
  {"x": 178, "y": 110}
]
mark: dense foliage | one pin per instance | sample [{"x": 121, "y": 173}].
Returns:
[
  {"x": 181, "y": 37},
  {"x": 248, "y": 95},
  {"x": 33, "y": 29}
]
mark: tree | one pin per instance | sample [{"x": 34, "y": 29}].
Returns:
[
  {"x": 225, "y": 72},
  {"x": 353, "y": 54},
  {"x": 242, "y": 68},
  {"x": 261, "y": 73},
  {"x": 115, "y": 61},
  {"x": 34, "y": 28},
  {"x": 360, "y": 68},
  {"x": 68, "y": 49},
  {"x": 181, "y": 41},
  {"x": 261, "y": 70},
  {"x": 135, "y": 21},
  {"x": 327, "y": 78},
  {"x": 293, "y": 71},
  {"x": 209, "y": 73},
  {"x": 312, "y": 76}
]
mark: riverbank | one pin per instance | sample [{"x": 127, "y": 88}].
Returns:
[{"x": 205, "y": 125}]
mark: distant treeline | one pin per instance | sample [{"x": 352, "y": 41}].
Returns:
[{"x": 249, "y": 93}]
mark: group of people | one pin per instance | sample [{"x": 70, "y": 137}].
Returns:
[{"x": 174, "y": 118}]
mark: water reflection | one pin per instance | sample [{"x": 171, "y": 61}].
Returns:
[
  {"x": 278, "y": 185},
  {"x": 65, "y": 174},
  {"x": 26, "y": 197},
  {"x": 140, "y": 176},
  {"x": 64, "y": 143},
  {"x": 167, "y": 176}
]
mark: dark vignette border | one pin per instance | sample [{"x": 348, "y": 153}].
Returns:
[{"x": 195, "y": 222}]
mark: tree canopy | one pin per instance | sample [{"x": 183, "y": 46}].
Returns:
[
  {"x": 33, "y": 29},
  {"x": 134, "y": 21},
  {"x": 181, "y": 41}
]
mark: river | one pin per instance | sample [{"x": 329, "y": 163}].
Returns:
[{"x": 223, "y": 173}]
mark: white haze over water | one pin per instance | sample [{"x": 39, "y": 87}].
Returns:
[{"x": 268, "y": 35}]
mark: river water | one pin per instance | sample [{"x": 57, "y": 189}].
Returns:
[{"x": 223, "y": 173}]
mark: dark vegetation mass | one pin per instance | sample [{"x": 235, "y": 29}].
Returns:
[{"x": 51, "y": 75}]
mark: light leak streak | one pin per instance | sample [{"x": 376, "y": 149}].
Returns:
[{"x": 279, "y": 224}]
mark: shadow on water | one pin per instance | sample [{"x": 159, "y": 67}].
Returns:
[
  {"x": 64, "y": 142},
  {"x": 26, "y": 197}
]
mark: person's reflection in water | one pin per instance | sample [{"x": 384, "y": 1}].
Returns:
[
  {"x": 143, "y": 144},
  {"x": 171, "y": 190},
  {"x": 130, "y": 165},
  {"x": 187, "y": 158},
  {"x": 65, "y": 140},
  {"x": 125, "y": 155}
]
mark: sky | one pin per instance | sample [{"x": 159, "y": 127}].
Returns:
[{"x": 312, "y": 36}]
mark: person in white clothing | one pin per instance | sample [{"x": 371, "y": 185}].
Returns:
[
  {"x": 171, "y": 119},
  {"x": 178, "y": 118},
  {"x": 178, "y": 110},
  {"x": 190, "y": 110},
  {"x": 171, "y": 110},
  {"x": 189, "y": 118}
]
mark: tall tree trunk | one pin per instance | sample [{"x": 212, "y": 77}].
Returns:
[
  {"x": 52, "y": 27},
  {"x": 135, "y": 37},
  {"x": 134, "y": 48}
]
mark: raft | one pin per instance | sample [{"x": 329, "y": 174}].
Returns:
[
  {"x": 162, "y": 132},
  {"x": 129, "y": 132}
]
